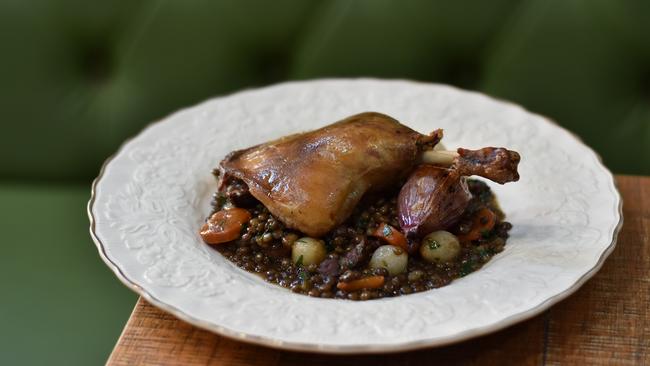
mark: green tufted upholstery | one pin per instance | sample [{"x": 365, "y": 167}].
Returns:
[{"x": 79, "y": 77}]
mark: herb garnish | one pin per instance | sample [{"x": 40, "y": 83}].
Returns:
[
  {"x": 433, "y": 244},
  {"x": 303, "y": 275},
  {"x": 221, "y": 201},
  {"x": 467, "y": 268},
  {"x": 329, "y": 246},
  {"x": 362, "y": 222}
]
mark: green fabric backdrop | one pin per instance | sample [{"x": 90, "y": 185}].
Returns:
[{"x": 79, "y": 77}]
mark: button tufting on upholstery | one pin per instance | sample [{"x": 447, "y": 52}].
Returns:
[
  {"x": 273, "y": 65},
  {"x": 462, "y": 72},
  {"x": 96, "y": 61},
  {"x": 645, "y": 86},
  {"x": 100, "y": 73}
]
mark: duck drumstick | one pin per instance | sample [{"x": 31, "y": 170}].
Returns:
[
  {"x": 436, "y": 195},
  {"x": 497, "y": 164}
]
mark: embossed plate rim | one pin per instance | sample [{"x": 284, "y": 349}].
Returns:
[{"x": 368, "y": 348}]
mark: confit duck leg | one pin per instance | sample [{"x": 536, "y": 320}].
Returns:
[{"x": 312, "y": 181}]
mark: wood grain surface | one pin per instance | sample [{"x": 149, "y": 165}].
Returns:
[{"x": 606, "y": 322}]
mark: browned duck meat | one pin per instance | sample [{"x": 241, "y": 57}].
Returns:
[
  {"x": 434, "y": 196},
  {"x": 494, "y": 163},
  {"x": 312, "y": 181}
]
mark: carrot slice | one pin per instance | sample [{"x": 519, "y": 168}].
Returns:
[
  {"x": 391, "y": 235},
  {"x": 483, "y": 221},
  {"x": 367, "y": 282},
  {"x": 225, "y": 225}
]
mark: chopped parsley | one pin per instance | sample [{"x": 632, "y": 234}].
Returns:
[
  {"x": 466, "y": 269},
  {"x": 484, "y": 253},
  {"x": 221, "y": 201},
  {"x": 303, "y": 275},
  {"x": 363, "y": 222},
  {"x": 433, "y": 244},
  {"x": 329, "y": 246},
  {"x": 299, "y": 261}
]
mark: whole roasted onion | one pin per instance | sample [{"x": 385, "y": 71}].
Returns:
[{"x": 432, "y": 199}]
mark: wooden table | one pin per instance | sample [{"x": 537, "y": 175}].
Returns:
[{"x": 606, "y": 322}]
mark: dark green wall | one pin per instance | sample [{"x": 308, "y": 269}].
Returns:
[{"x": 79, "y": 78}]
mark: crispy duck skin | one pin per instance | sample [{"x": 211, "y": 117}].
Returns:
[{"x": 312, "y": 181}]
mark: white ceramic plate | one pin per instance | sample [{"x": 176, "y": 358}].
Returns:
[{"x": 151, "y": 197}]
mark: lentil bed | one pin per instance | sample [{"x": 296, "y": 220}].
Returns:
[{"x": 264, "y": 247}]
